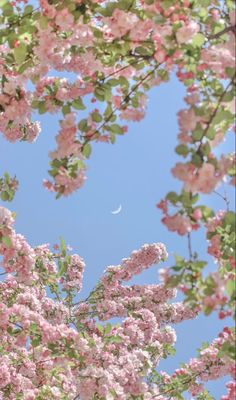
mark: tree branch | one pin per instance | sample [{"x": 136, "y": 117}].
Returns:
[
  {"x": 190, "y": 247},
  {"x": 124, "y": 101},
  {"x": 221, "y": 33}
]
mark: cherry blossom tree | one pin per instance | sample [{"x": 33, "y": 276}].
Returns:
[
  {"x": 111, "y": 53},
  {"x": 53, "y": 346}
]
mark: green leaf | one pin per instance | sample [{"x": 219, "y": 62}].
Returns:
[
  {"x": 143, "y": 51},
  {"x": 206, "y": 212},
  {"x": 97, "y": 33},
  {"x": 83, "y": 125},
  {"x": 42, "y": 107},
  {"x": 158, "y": 19},
  {"x": 230, "y": 72},
  {"x": 33, "y": 327},
  {"x": 198, "y": 265},
  {"x": 179, "y": 260},
  {"x": 7, "y": 177},
  {"x": 100, "y": 328},
  {"x": 173, "y": 281},
  {"x": 28, "y": 10},
  {"x": 167, "y": 4},
  {"x": 172, "y": 197},
  {"x": 123, "y": 81},
  {"x": 204, "y": 3},
  {"x": 114, "y": 339},
  {"x": 36, "y": 341},
  {"x": 62, "y": 267},
  {"x": 232, "y": 170},
  {"x": 7, "y": 241},
  {"x": 194, "y": 198},
  {"x": 108, "y": 328},
  {"x": 198, "y": 40},
  {"x": 78, "y": 104},
  {"x": 211, "y": 132},
  {"x": 43, "y": 22},
  {"x": 177, "y": 268},
  {"x": 182, "y": 150},
  {"x": 207, "y": 310},
  {"x": 197, "y": 134},
  {"x": 8, "y": 10},
  {"x": 34, "y": 104},
  {"x": 5, "y": 196},
  {"x": 205, "y": 395},
  {"x": 20, "y": 53},
  {"x": 25, "y": 65},
  {"x": 205, "y": 149},
  {"x": 126, "y": 4},
  {"x": 66, "y": 109},
  {"x": 185, "y": 198},
  {"x": 63, "y": 246},
  {"x": 87, "y": 150},
  {"x": 227, "y": 349},
  {"x": 112, "y": 137},
  {"x": 96, "y": 117},
  {"x": 229, "y": 96},
  {"x": 115, "y": 128},
  {"x": 113, "y": 82},
  {"x": 222, "y": 116},
  {"x": 230, "y": 287},
  {"x": 229, "y": 219},
  {"x": 196, "y": 160},
  {"x": 99, "y": 93}
]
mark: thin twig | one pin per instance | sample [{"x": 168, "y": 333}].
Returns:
[
  {"x": 124, "y": 101},
  {"x": 221, "y": 33},
  {"x": 218, "y": 105},
  {"x": 190, "y": 246},
  {"x": 225, "y": 198},
  {"x": 215, "y": 111},
  {"x": 22, "y": 17},
  {"x": 132, "y": 63}
]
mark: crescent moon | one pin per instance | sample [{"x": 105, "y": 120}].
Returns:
[{"x": 117, "y": 211}]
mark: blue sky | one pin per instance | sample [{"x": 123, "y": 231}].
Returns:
[{"x": 135, "y": 172}]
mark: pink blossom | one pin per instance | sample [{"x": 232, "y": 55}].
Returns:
[
  {"x": 5, "y": 376},
  {"x": 187, "y": 120},
  {"x": 120, "y": 23},
  {"x": 197, "y": 214},
  {"x": 163, "y": 206},
  {"x": 178, "y": 223},
  {"x": 64, "y": 19},
  {"x": 67, "y": 183},
  {"x": 186, "y": 33},
  {"x": 6, "y": 218}
]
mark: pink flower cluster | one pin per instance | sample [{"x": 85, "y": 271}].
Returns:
[
  {"x": 15, "y": 108},
  {"x": 186, "y": 33},
  {"x": 215, "y": 247},
  {"x": 210, "y": 365},
  {"x": 74, "y": 274},
  {"x": 139, "y": 260},
  {"x": 51, "y": 347},
  {"x": 219, "y": 57},
  {"x": 180, "y": 223},
  {"x": 231, "y": 386},
  {"x": 202, "y": 179},
  {"x": 114, "y": 54}
]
